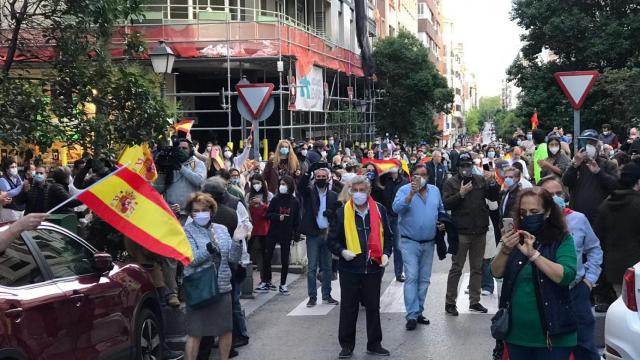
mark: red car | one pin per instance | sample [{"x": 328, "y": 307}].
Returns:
[{"x": 62, "y": 299}]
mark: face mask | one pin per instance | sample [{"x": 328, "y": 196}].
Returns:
[
  {"x": 321, "y": 183},
  {"x": 559, "y": 201},
  {"x": 554, "y": 150},
  {"x": 491, "y": 154},
  {"x": 466, "y": 172},
  {"x": 235, "y": 181},
  {"x": 605, "y": 133},
  {"x": 13, "y": 171},
  {"x": 303, "y": 152},
  {"x": 33, "y": 173},
  {"x": 257, "y": 187},
  {"x": 38, "y": 178},
  {"x": 284, "y": 151},
  {"x": 228, "y": 154},
  {"x": 423, "y": 182},
  {"x": 476, "y": 161},
  {"x": 612, "y": 153},
  {"x": 183, "y": 155},
  {"x": 209, "y": 148},
  {"x": 519, "y": 142},
  {"x": 413, "y": 161},
  {"x": 283, "y": 189},
  {"x": 360, "y": 198},
  {"x": 476, "y": 170},
  {"x": 331, "y": 142},
  {"x": 323, "y": 153},
  {"x": 591, "y": 151},
  {"x": 532, "y": 223},
  {"x": 529, "y": 137},
  {"x": 202, "y": 218},
  {"x": 371, "y": 175},
  {"x": 509, "y": 182}
]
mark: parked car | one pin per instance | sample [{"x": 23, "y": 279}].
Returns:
[
  {"x": 622, "y": 324},
  {"x": 62, "y": 299}
]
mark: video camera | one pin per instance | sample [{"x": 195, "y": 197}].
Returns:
[{"x": 166, "y": 158}]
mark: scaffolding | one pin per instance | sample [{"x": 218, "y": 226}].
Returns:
[{"x": 230, "y": 41}]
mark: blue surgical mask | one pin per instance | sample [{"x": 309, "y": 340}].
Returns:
[
  {"x": 235, "y": 181},
  {"x": 529, "y": 137},
  {"x": 559, "y": 200},
  {"x": 202, "y": 218},
  {"x": 284, "y": 151},
  {"x": 532, "y": 223},
  {"x": 491, "y": 154},
  {"x": 509, "y": 182},
  {"x": 360, "y": 198},
  {"x": 371, "y": 175},
  {"x": 39, "y": 178}
]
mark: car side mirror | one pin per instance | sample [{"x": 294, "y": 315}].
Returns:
[{"x": 102, "y": 262}]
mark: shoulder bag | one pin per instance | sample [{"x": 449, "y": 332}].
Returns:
[{"x": 201, "y": 287}]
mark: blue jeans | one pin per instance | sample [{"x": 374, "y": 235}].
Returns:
[
  {"x": 318, "y": 255},
  {"x": 517, "y": 352},
  {"x": 239, "y": 320},
  {"x": 418, "y": 259},
  {"x": 487, "y": 279},
  {"x": 586, "y": 347},
  {"x": 397, "y": 253}
]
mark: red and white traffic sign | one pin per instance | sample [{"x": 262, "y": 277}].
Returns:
[
  {"x": 576, "y": 85},
  {"x": 254, "y": 97}
]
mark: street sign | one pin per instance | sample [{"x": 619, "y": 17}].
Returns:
[
  {"x": 255, "y": 98},
  {"x": 576, "y": 85},
  {"x": 264, "y": 115}
]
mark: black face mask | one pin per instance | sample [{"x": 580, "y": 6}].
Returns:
[
  {"x": 466, "y": 172},
  {"x": 321, "y": 183}
]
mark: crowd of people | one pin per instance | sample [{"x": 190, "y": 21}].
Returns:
[{"x": 553, "y": 223}]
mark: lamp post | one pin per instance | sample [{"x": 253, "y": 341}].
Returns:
[{"x": 162, "y": 58}]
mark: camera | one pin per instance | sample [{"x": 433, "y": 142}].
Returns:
[{"x": 166, "y": 159}]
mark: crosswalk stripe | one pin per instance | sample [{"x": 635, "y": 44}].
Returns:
[
  {"x": 320, "y": 309},
  {"x": 490, "y": 302},
  {"x": 392, "y": 300}
]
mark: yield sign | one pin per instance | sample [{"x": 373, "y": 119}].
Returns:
[
  {"x": 576, "y": 85},
  {"x": 254, "y": 97}
]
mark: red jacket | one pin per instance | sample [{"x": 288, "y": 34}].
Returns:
[{"x": 259, "y": 219}]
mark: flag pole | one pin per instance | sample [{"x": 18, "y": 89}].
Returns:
[{"x": 87, "y": 189}]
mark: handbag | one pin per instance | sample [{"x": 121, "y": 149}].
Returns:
[
  {"x": 501, "y": 323},
  {"x": 201, "y": 287}
]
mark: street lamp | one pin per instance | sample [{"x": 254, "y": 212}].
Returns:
[{"x": 162, "y": 58}]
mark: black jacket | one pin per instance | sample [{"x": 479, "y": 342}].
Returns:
[
  {"x": 56, "y": 194},
  {"x": 37, "y": 199},
  {"x": 391, "y": 188},
  {"x": 437, "y": 174},
  {"x": 454, "y": 155},
  {"x": 452, "y": 237},
  {"x": 588, "y": 190},
  {"x": 470, "y": 214},
  {"x": 617, "y": 229},
  {"x": 311, "y": 205},
  {"x": 226, "y": 216},
  {"x": 283, "y": 204},
  {"x": 507, "y": 211},
  {"x": 361, "y": 263}
]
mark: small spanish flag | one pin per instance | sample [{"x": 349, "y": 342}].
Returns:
[
  {"x": 534, "y": 120},
  {"x": 184, "y": 126},
  {"x": 141, "y": 161},
  {"x": 382, "y": 166},
  {"x": 128, "y": 203}
]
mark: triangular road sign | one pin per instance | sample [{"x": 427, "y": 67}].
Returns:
[
  {"x": 576, "y": 85},
  {"x": 254, "y": 97}
]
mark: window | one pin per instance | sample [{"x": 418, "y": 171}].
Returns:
[
  {"x": 422, "y": 10},
  {"x": 458, "y": 91},
  {"x": 66, "y": 257},
  {"x": 18, "y": 267},
  {"x": 458, "y": 107}
]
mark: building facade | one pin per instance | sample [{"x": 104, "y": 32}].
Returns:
[
  {"x": 430, "y": 31},
  {"x": 395, "y": 15}
]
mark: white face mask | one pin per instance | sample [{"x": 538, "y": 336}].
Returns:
[
  {"x": 257, "y": 187},
  {"x": 228, "y": 154},
  {"x": 284, "y": 189},
  {"x": 360, "y": 198},
  {"x": 13, "y": 171},
  {"x": 209, "y": 148},
  {"x": 303, "y": 152},
  {"x": 591, "y": 151},
  {"x": 323, "y": 153},
  {"x": 202, "y": 218},
  {"x": 554, "y": 149}
]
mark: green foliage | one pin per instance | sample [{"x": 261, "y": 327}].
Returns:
[
  {"x": 472, "y": 121},
  {"x": 591, "y": 35},
  {"x": 413, "y": 89},
  {"x": 506, "y": 122},
  {"x": 94, "y": 102}
]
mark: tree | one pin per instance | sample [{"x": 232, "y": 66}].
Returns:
[
  {"x": 472, "y": 121},
  {"x": 91, "y": 99},
  {"x": 578, "y": 35},
  {"x": 413, "y": 89}
]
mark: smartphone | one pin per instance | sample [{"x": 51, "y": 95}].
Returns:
[
  {"x": 521, "y": 238},
  {"x": 507, "y": 225}
]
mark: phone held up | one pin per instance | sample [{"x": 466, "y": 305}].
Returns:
[{"x": 508, "y": 226}]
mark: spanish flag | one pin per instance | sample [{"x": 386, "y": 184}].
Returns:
[
  {"x": 534, "y": 120},
  {"x": 382, "y": 166},
  {"x": 184, "y": 126},
  {"x": 141, "y": 161},
  {"x": 129, "y": 204}
]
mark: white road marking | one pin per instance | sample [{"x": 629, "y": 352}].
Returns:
[
  {"x": 490, "y": 302},
  {"x": 320, "y": 309}
]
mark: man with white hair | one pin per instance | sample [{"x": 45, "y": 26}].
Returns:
[
  {"x": 319, "y": 206},
  {"x": 362, "y": 238}
]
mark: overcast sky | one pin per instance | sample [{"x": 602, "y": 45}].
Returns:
[{"x": 491, "y": 40}]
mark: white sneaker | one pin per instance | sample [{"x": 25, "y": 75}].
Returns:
[
  {"x": 486, "y": 293},
  {"x": 283, "y": 290},
  {"x": 263, "y": 286}
]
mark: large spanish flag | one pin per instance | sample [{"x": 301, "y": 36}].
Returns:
[
  {"x": 382, "y": 166},
  {"x": 141, "y": 161},
  {"x": 129, "y": 204}
]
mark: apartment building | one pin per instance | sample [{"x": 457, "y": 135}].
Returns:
[
  {"x": 430, "y": 31},
  {"x": 395, "y": 15}
]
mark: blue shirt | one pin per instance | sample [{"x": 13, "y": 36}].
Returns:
[
  {"x": 322, "y": 221},
  {"x": 587, "y": 243},
  {"x": 418, "y": 219}
]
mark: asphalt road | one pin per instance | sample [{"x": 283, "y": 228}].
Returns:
[{"x": 283, "y": 328}]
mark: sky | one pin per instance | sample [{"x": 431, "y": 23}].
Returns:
[{"x": 491, "y": 40}]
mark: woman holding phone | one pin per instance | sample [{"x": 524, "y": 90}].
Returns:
[{"x": 537, "y": 261}]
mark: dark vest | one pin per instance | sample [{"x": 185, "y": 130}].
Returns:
[{"x": 554, "y": 301}]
